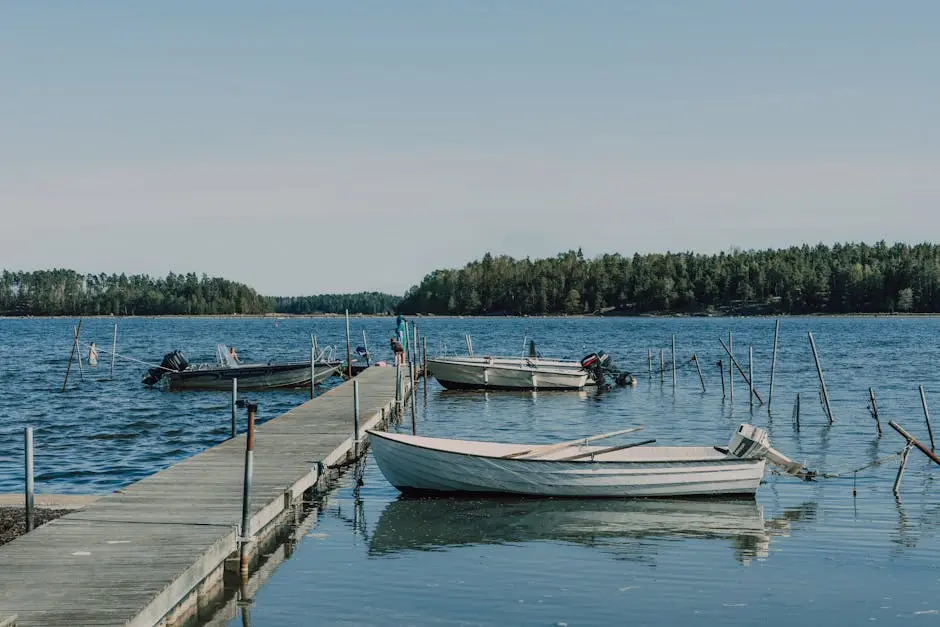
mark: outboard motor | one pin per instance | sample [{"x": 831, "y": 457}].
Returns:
[
  {"x": 171, "y": 361},
  {"x": 599, "y": 366}
]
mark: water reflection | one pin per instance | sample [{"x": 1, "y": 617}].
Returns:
[{"x": 429, "y": 524}]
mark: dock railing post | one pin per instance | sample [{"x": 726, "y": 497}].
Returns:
[
  {"x": 414, "y": 409},
  {"x": 348, "y": 349},
  {"x": 28, "y": 432},
  {"x": 234, "y": 405},
  {"x": 355, "y": 418},
  {"x": 246, "y": 491}
]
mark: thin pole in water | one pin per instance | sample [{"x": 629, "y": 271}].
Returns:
[
  {"x": 365, "y": 346},
  {"x": 874, "y": 410},
  {"x": 246, "y": 491},
  {"x": 78, "y": 354},
  {"x": 72, "y": 354},
  {"x": 923, "y": 401},
  {"x": 731, "y": 364},
  {"x": 662, "y": 366},
  {"x": 348, "y": 349},
  {"x": 113, "y": 349},
  {"x": 797, "y": 411},
  {"x": 29, "y": 478},
  {"x": 414, "y": 410},
  {"x": 750, "y": 375},
  {"x": 897, "y": 480},
  {"x": 424, "y": 361},
  {"x": 234, "y": 405},
  {"x": 698, "y": 367},
  {"x": 822, "y": 381},
  {"x": 649, "y": 360},
  {"x": 773, "y": 366},
  {"x": 673, "y": 361},
  {"x": 721, "y": 371}
]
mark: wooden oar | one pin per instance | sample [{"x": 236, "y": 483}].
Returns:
[
  {"x": 609, "y": 449},
  {"x": 548, "y": 448}
]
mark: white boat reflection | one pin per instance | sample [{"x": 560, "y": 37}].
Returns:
[{"x": 430, "y": 524}]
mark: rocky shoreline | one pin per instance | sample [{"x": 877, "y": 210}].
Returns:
[{"x": 13, "y": 520}]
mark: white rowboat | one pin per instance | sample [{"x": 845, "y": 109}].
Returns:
[
  {"x": 416, "y": 464},
  {"x": 505, "y": 373}
]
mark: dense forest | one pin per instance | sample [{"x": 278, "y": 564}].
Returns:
[
  {"x": 65, "y": 292},
  {"x": 363, "y": 302},
  {"x": 844, "y": 278}
]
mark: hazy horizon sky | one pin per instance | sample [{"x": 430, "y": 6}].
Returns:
[{"x": 312, "y": 147}]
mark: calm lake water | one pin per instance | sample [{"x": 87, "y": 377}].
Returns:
[{"x": 802, "y": 552}]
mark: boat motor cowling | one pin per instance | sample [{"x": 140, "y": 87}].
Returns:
[{"x": 171, "y": 362}]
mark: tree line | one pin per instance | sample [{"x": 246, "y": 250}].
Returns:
[
  {"x": 61, "y": 292},
  {"x": 844, "y": 278}
]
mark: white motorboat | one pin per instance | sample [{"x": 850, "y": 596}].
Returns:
[
  {"x": 417, "y": 464},
  {"x": 504, "y": 373}
]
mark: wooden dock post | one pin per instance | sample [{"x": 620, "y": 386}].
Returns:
[
  {"x": 698, "y": 366},
  {"x": 750, "y": 375},
  {"x": 673, "y": 361},
  {"x": 822, "y": 381},
  {"x": 365, "y": 346},
  {"x": 113, "y": 349},
  {"x": 730, "y": 351},
  {"x": 721, "y": 371},
  {"x": 649, "y": 361},
  {"x": 234, "y": 405},
  {"x": 923, "y": 401},
  {"x": 355, "y": 418},
  {"x": 246, "y": 492},
  {"x": 773, "y": 366},
  {"x": 874, "y": 410},
  {"x": 72, "y": 354},
  {"x": 348, "y": 349},
  {"x": 30, "y": 496}
]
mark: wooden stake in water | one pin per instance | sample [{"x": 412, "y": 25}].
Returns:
[
  {"x": 113, "y": 349},
  {"x": 78, "y": 354},
  {"x": 673, "y": 361},
  {"x": 72, "y": 354},
  {"x": 730, "y": 350},
  {"x": 365, "y": 347},
  {"x": 897, "y": 480},
  {"x": 721, "y": 371},
  {"x": 874, "y": 410},
  {"x": 29, "y": 478},
  {"x": 773, "y": 366},
  {"x": 822, "y": 381},
  {"x": 698, "y": 367},
  {"x": 923, "y": 401},
  {"x": 796, "y": 411},
  {"x": 649, "y": 360},
  {"x": 750, "y": 375},
  {"x": 234, "y": 405},
  {"x": 734, "y": 362},
  {"x": 348, "y": 349},
  {"x": 662, "y": 366}
]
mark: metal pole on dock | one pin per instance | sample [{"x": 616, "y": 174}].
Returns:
[
  {"x": 731, "y": 364},
  {"x": 72, "y": 354},
  {"x": 113, "y": 349},
  {"x": 673, "y": 361},
  {"x": 822, "y": 381},
  {"x": 773, "y": 366},
  {"x": 397, "y": 387},
  {"x": 365, "y": 346},
  {"x": 874, "y": 410},
  {"x": 234, "y": 405},
  {"x": 348, "y": 349},
  {"x": 698, "y": 367},
  {"x": 414, "y": 409},
  {"x": 923, "y": 401},
  {"x": 313, "y": 366},
  {"x": 29, "y": 478},
  {"x": 750, "y": 375},
  {"x": 414, "y": 348},
  {"x": 246, "y": 491},
  {"x": 355, "y": 418}
]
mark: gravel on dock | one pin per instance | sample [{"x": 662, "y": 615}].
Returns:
[{"x": 13, "y": 520}]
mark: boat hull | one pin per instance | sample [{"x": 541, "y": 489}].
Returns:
[
  {"x": 254, "y": 377},
  {"x": 466, "y": 375},
  {"x": 415, "y": 469}
]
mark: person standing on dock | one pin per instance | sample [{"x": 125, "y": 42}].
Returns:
[
  {"x": 399, "y": 352},
  {"x": 401, "y": 334}
]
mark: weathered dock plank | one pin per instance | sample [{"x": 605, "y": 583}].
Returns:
[{"x": 133, "y": 556}]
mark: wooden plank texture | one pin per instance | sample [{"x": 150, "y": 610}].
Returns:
[{"x": 132, "y": 556}]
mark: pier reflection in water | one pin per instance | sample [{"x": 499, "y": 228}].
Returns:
[{"x": 429, "y": 524}]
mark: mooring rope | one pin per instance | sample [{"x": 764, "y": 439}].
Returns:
[
  {"x": 853, "y": 471},
  {"x": 116, "y": 354}
]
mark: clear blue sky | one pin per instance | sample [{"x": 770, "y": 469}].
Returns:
[{"x": 306, "y": 147}]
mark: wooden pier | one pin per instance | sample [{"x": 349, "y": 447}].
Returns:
[{"x": 157, "y": 550}]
